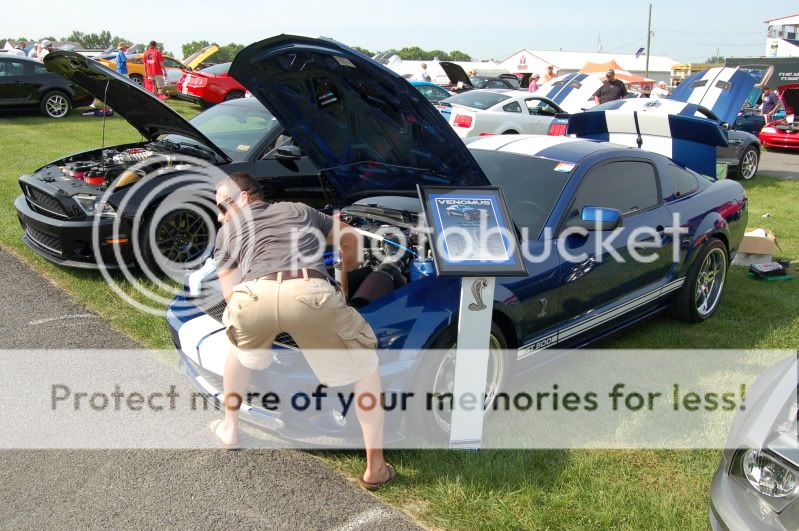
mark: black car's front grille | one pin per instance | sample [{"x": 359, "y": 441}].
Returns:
[
  {"x": 44, "y": 203},
  {"x": 212, "y": 303},
  {"x": 50, "y": 243}
]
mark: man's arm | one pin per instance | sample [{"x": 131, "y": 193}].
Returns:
[
  {"x": 596, "y": 100},
  {"x": 348, "y": 250}
]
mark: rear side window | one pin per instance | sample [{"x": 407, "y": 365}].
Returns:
[
  {"x": 477, "y": 99},
  {"x": 512, "y": 107},
  {"x": 682, "y": 182},
  {"x": 11, "y": 68},
  {"x": 626, "y": 186}
]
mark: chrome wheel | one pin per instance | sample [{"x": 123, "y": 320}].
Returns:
[
  {"x": 56, "y": 105},
  {"x": 444, "y": 380},
  {"x": 748, "y": 166},
  {"x": 710, "y": 282}
]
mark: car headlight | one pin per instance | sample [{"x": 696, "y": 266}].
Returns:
[
  {"x": 768, "y": 476},
  {"x": 775, "y": 480},
  {"x": 92, "y": 205},
  {"x": 770, "y": 130}
]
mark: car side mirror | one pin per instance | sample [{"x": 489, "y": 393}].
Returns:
[
  {"x": 288, "y": 152},
  {"x": 598, "y": 218}
]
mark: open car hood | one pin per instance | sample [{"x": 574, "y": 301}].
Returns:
[
  {"x": 150, "y": 116},
  {"x": 572, "y": 92},
  {"x": 456, "y": 74},
  {"x": 722, "y": 90},
  {"x": 366, "y": 127},
  {"x": 194, "y": 60},
  {"x": 789, "y": 95}
]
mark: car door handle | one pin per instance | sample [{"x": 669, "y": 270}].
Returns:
[{"x": 735, "y": 142}]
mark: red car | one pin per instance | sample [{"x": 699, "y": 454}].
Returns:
[
  {"x": 209, "y": 86},
  {"x": 782, "y": 133}
]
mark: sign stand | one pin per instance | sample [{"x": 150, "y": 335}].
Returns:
[
  {"x": 472, "y": 237},
  {"x": 471, "y": 362}
]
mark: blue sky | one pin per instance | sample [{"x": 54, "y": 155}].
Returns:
[{"x": 686, "y": 30}]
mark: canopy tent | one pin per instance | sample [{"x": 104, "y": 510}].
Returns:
[{"x": 632, "y": 81}]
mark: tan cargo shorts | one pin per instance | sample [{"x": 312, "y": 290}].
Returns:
[
  {"x": 159, "y": 81},
  {"x": 337, "y": 342}
]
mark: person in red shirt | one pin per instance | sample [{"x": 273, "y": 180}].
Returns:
[{"x": 154, "y": 67}]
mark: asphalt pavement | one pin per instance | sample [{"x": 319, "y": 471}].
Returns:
[
  {"x": 783, "y": 164},
  {"x": 138, "y": 489}
]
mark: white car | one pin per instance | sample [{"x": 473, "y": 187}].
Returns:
[{"x": 504, "y": 111}]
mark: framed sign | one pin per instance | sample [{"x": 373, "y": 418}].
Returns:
[{"x": 472, "y": 233}]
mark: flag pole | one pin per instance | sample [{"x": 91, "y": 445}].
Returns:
[{"x": 648, "y": 39}]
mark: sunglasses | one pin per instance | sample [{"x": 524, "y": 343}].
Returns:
[{"x": 223, "y": 206}]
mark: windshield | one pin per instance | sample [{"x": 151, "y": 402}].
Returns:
[
  {"x": 476, "y": 99},
  {"x": 215, "y": 70},
  {"x": 531, "y": 185},
  {"x": 235, "y": 127}
]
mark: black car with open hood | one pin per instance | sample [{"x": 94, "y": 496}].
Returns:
[{"x": 61, "y": 200}]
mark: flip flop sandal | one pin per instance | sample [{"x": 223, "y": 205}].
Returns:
[
  {"x": 212, "y": 429},
  {"x": 392, "y": 473}
]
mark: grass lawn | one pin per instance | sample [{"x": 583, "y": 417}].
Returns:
[{"x": 489, "y": 489}]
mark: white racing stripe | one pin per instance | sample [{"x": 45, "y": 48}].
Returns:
[
  {"x": 597, "y": 320},
  {"x": 698, "y": 93},
  {"x": 713, "y": 92},
  {"x": 192, "y": 332},
  {"x": 535, "y": 144}
]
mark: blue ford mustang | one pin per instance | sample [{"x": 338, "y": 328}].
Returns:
[{"x": 378, "y": 138}]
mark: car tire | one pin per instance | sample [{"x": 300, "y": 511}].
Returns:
[
  {"x": 511, "y": 132},
  {"x": 181, "y": 236},
  {"x": 436, "y": 373},
  {"x": 700, "y": 296},
  {"x": 55, "y": 104},
  {"x": 748, "y": 163},
  {"x": 234, "y": 95},
  {"x": 138, "y": 79}
]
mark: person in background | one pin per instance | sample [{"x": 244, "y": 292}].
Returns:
[
  {"x": 45, "y": 48},
  {"x": 533, "y": 86},
  {"x": 34, "y": 52},
  {"x": 19, "y": 49},
  {"x": 424, "y": 75},
  {"x": 154, "y": 68},
  {"x": 769, "y": 104},
  {"x": 549, "y": 75},
  {"x": 660, "y": 91},
  {"x": 122, "y": 59},
  {"x": 612, "y": 89}
]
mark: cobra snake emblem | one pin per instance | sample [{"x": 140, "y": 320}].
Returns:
[{"x": 477, "y": 290}]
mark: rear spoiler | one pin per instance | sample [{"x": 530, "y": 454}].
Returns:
[{"x": 687, "y": 140}]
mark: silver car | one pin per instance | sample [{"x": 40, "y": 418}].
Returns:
[{"x": 757, "y": 483}]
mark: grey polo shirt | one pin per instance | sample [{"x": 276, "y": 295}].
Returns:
[{"x": 267, "y": 238}]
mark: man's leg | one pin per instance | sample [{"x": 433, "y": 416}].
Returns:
[
  {"x": 235, "y": 379},
  {"x": 371, "y": 421}
]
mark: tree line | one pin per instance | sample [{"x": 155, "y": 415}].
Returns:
[{"x": 105, "y": 40}]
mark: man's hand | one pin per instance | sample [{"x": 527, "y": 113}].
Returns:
[{"x": 596, "y": 100}]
